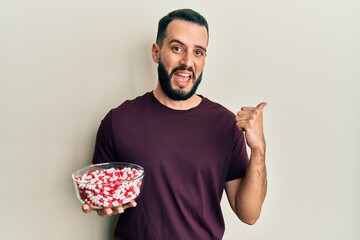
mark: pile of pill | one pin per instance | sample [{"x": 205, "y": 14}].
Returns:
[{"x": 109, "y": 187}]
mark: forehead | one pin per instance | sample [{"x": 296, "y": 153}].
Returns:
[{"x": 187, "y": 32}]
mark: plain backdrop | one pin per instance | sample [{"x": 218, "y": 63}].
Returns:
[{"x": 65, "y": 64}]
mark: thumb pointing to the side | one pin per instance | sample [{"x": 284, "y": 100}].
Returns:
[{"x": 261, "y": 105}]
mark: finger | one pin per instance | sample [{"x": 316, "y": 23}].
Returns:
[
  {"x": 121, "y": 209},
  {"x": 261, "y": 105},
  {"x": 243, "y": 126},
  {"x": 246, "y": 111},
  {"x": 104, "y": 212},
  {"x": 247, "y": 108},
  {"x": 244, "y": 119},
  {"x": 86, "y": 208},
  {"x": 130, "y": 205},
  {"x": 117, "y": 210}
]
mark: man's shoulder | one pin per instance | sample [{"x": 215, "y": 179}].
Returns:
[
  {"x": 216, "y": 107},
  {"x": 128, "y": 107},
  {"x": 137, "y": 101}
]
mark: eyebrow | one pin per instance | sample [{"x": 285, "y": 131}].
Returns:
[{"x": 180, "y": 42}]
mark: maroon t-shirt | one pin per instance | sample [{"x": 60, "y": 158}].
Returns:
[{"x": 188, "y": 156}]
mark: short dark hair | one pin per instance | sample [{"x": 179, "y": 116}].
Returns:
[{"x": 188, "y": 15}]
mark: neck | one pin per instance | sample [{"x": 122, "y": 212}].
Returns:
[{"x": 187, "y": 104}]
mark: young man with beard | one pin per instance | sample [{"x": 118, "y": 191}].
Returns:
[{"x": 191, "y": 148}]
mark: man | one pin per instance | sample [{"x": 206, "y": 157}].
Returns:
[{"x": 191, "y": 148}]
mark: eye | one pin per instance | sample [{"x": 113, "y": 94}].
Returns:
[
  {"x": 177, "y": 49},
  {"x": 199, "y": 53}
]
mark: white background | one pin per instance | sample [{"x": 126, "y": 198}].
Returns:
[{"x": 64, "y": 64}]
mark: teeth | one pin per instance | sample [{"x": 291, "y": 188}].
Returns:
[{"x": 184, "y": 75}]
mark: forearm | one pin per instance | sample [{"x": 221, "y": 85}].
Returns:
[{"x": 252, "y": 190}]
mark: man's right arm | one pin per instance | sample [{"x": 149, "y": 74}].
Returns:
[{"x": 105, "y": 152}]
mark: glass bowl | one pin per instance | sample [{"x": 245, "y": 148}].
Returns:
[{"x": 108, "y": 184}]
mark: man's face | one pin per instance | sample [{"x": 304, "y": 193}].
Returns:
[
  {"x": 166, "y": 84},
  {"x": 181, "y": 59}
]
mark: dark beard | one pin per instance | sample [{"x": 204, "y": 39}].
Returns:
[{"x": 165, "y": 83}]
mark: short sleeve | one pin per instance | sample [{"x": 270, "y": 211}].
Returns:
[
  {"x": 104, "y": 146},
  {"x": 239, "y": 157}
]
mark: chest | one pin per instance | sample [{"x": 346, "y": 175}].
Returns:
[{"x": 176, "y": 147}]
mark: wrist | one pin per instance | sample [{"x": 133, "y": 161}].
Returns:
[
  {"x": 258, "y": 155},
  {"x": 260, "y": 151}
]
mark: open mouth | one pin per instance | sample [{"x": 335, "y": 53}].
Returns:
[{"x": 182, "y": 78}]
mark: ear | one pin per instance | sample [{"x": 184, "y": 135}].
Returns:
[{"x": 155, "y": 51}]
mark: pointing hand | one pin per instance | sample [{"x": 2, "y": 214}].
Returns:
[{"x": 250, "y": 120}]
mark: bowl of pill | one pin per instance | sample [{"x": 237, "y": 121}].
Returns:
[{"x": 108, "y": 184}]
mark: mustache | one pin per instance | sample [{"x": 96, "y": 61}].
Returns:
[{"x": 183, "y": 68}]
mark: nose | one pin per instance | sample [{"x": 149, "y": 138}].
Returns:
[{"x": 187, "y": 60}]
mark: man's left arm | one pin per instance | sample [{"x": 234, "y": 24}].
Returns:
[{"x": 246, "y": 195}]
